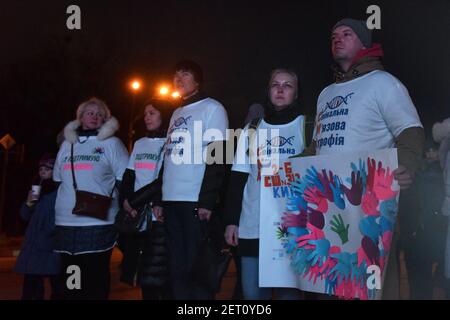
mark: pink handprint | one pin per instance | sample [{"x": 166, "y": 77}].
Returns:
[
  {"x": 383, "y": 183},
  {"x": 386, "y": 239},
  {"x": 354, "y": 193},
  {"x": 316, "y": 218},
  {"x": 315, "y": 234},
  {"x": 330, "y": 263},
  {"x": 313, "y": 272},
  {"x": 359, "y": 291},
  {"x": 314, "y": 196},
  {"x": 371, "y": 250},
  {"x": 371, "y": 168},
  {"x": 362, "y": 257},
  {"x": 344, "y": 289},
  {"x": 370, "y": 204},
  {"x": 382, "y": 262},
  {"x": 294, "y": 220},
  {"x": 326, "y": 181}
]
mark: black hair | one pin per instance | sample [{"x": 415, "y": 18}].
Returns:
[
  {"x": 192, "y": 67},
  {"x": 166, "y": 109}
]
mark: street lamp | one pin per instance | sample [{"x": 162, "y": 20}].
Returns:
[
  {"x": 163, "y": 91},
  {"x": 135, "y": 86}
]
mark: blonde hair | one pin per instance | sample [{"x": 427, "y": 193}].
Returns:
[
  {"x": 102, "y": 106},
  {"x": 290, "y": 72}
]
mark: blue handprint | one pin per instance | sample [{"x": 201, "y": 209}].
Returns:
[
  {"x": 343, "y": 267},
  {"x": 299, "y": 185},
  {"x": 290, "y": 244},
  {"x": 293, "y": 234},
  {"x": 338, "y": 194},
  {"x": 296, "y": 203},
  {"x": 358, "y": 272},
  {"x": 389, "y": 209},
  {"x": 386, "y": 225},
  {"x": 297, "y": 231},
  {"x": 362, "y": 171},
  {"x": 320, "y": 252},
  {"x": 300, "y": 262},
  {"x": 312, "y": 177},
  {"x": 330, "y": 285},
  {"x": 370, "y": 228}
]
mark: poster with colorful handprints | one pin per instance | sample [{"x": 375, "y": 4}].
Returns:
[{"x": 327, "y": 222}]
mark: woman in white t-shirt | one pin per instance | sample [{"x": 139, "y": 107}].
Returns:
[
  {"x": 283, "y": 122},
  {"x": 93, "y": 158},
  {"x": 145, "y": 254}
]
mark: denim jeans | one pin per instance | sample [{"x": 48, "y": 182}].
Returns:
[{"x": 251, "y": 289}]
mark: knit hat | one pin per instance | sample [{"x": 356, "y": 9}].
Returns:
[
  {"x": 360, "y": 28},
  {"x": 192, "y": 67},
  {"x": 47, "y": 160}
]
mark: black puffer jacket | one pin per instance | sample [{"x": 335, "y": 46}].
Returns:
[
  {"x": 144, "y": 260},
  {"x": 152, "y": 266}
]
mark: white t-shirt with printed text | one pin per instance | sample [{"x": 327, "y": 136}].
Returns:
[
  {"x": 145, "y": 160},
  {"x": 184, "y": 166},
  {"x": 98, "y": 164},
  {"x": 284, "y": 141},
  {"x": 366, "y": 113}
]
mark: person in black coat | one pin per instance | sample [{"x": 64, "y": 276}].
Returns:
[
  {"x": 145, "y": 254},
  {"x": 423, "y": 227},
  {"x": 37, "y": 260}
]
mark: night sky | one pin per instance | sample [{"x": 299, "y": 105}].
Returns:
[{"x": 47, "y": 70}]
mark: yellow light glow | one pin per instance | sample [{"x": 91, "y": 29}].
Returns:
[
  {"x": 175, "y": 94},
  {"x": 163, "y": 90},
  {"x": 135, "y": 85}
]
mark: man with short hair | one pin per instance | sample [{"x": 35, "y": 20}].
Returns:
[
  {"x": 367, "y": 108},
  {"x": 190, "y": 186}
]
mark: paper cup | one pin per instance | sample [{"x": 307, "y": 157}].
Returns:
[{"x": 36, "y": 191}]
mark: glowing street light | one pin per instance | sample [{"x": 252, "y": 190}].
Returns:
[
  {"x": 175, "y": 94},
  {"x": 163, "y": 90},
  {"x": 136, "y": 85}
]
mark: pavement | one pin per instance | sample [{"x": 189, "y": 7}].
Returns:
[{"x": 11, "y": 283}]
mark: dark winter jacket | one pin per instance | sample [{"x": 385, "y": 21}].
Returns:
[
  {"x": 36, "y": 255},
  {"x": 144, "y": 260}
]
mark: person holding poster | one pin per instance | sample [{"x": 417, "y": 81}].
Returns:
[
  {"x": 278, "y": 135},
  {"x": 367, "y": 108}
]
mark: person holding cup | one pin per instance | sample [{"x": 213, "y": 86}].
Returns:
[{"x": 37, "y": 260}]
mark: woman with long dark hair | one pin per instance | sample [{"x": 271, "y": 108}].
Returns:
[{"x": 145, "y": 253}]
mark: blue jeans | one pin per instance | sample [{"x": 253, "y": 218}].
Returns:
[{"x": 251, "y": 289}]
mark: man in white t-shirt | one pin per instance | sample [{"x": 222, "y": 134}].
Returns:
[
  {"x": 190, "y": 186},
  {"x": 367, "y": 108}
]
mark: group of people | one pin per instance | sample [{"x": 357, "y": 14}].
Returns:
[{"x": 183, "y": 198}]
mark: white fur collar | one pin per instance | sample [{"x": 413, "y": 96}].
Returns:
[
  {"x": 106, "y": 130},
  {"x": 441, "y": 130}
]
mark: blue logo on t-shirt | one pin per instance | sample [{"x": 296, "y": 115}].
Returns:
[
  {"x": 279, "y": 141},
  {"x": 181, "y": 120}
]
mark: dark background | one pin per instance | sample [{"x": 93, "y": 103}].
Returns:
[{"x": 47, "y": 70}]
